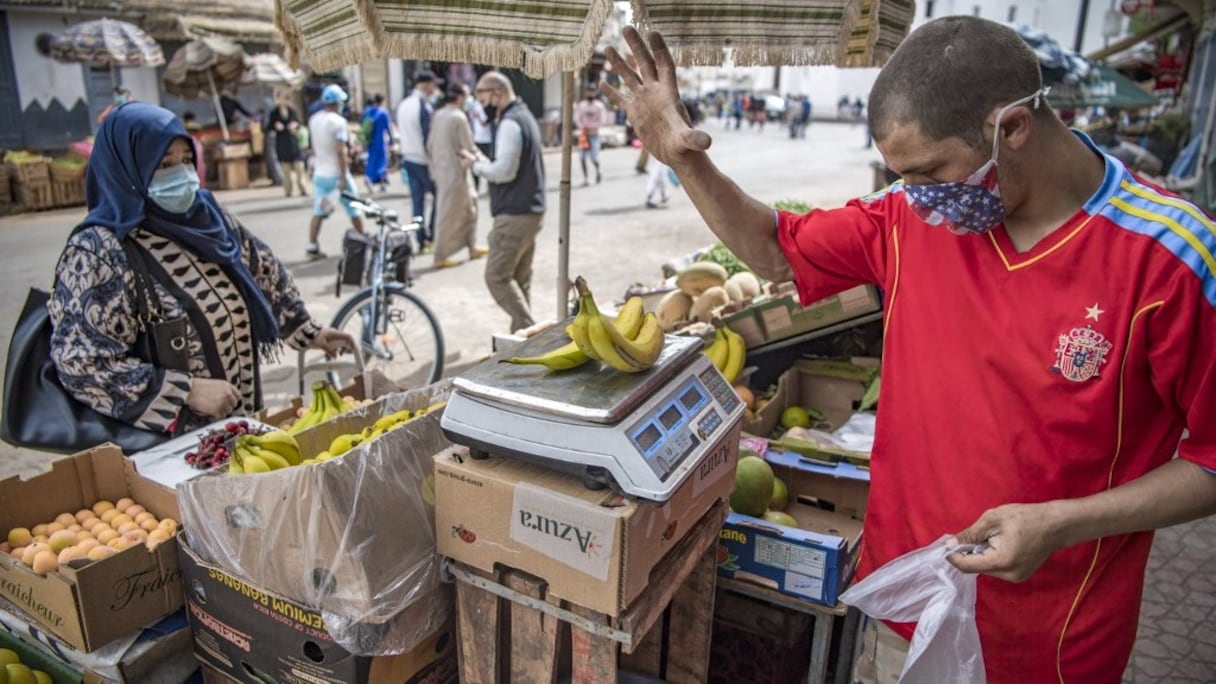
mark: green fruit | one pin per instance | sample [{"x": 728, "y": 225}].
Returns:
[
  {"x": 753, "y": 486},
  {"x": 42, "y": 677},
  {"x": 781, "y": 495},
  {"x": 744, "y": 451},
  {"x": 795, "y": 416},
  {"x": 780, "y": 518},
  {"x": 8, "y": 656}
]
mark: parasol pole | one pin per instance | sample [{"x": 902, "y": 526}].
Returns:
[
  {"x": 563, "y": 203},
  {"x": 215, "y": 98}
]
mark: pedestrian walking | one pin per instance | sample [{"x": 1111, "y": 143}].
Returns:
[
  {"x": 455, "y": 198},
  {"x": 1071, "y": 303},
  {"x": 590, "y": 115},
  {"x": 379, "y": 126},
  {"x": 483, "y": 132},
  {"x": 517, "y": 197},
  {"x": 283, "y": 121},
  {"x": 413, "y": 126},
  {"x": 331, "y": 176},
  {"x": 656, "y": 184}
]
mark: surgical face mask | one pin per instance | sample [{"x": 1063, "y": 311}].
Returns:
[
  {"x": 972, "y": 205},
  {"x": 120, "y": 99},
  {"x": 174, "y": 189}
]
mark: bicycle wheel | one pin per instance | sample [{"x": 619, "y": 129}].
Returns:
[{"x": 405, "y": 343}]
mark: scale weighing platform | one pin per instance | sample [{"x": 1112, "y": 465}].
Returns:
[{"x": 640, "y": 433}]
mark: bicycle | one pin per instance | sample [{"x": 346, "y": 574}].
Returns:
[{"x": 399, "y": 334}]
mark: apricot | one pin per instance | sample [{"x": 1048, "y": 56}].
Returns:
[
  {"x": 84, "y": 514},
  {"x": 149, "y": 525},
  {"x": 126, "y": 527},
  {"x": 168, "y": 524},
  {"x": 134, "y": 510},
  {"x": 83, "y": 535},
  {"x": 108, "y": 516},
  {"x": 39, "y": 529},
  {"x": 74, "y": 527},
  {"x": 124, "y": 503},
  {"x": 45, "y": 561},
  {"x": 157, "y": 537},
  {"x": 87, "y": 545},
  {"x": 62, "y": 540},
  {"x": 19, "y": 536},
  {"x": 100, "y": 552},
  {"x": 101, "y": 507},
  {"x": 120, "y": 519},
  {"x": 106, "y": 536},
  {"x": 52, "y": 528},
  {"x": 71, "y": 553}
]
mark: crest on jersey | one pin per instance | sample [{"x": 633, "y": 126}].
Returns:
[{"x": 1081, "y": 353}]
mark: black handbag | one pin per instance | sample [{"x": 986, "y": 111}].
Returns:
[{"x": 39, "y": 413}]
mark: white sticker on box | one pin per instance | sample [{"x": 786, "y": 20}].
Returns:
[
  {"x": 855, "y": 299},
  {"x": 787, "y": 556},
  {"x": 570, "y": 531},
  {"x": 810, "y": 587},
  {"x": 776, "y": 318}
]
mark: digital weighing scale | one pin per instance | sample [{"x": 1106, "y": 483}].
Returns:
[{"x": 641, "y": 433}]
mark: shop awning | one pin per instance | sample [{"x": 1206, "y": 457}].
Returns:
[
  {"x": 544, "y": 37},
  {"x": 1105, "y": 88},
  {"x": 246, "y": 30}
]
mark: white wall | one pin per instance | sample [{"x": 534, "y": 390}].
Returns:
[
  {"x": 1056, "y": 18},
  {"x": 142, "y": 82},
  {"x": 40, "y": 78}
]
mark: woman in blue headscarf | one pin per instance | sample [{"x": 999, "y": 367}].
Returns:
[{"x": 236, "y": 299}]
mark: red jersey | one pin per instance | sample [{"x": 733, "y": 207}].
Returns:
[{"x": 1011, "y": 377}]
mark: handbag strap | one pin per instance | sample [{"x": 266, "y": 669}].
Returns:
[{"x": 147, "y": 304}]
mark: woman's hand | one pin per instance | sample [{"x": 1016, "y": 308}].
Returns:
[
  {"x": 212, "y": 398},
  {"x": 652, "y": 100},
  {"x": 333, "y": 342}
]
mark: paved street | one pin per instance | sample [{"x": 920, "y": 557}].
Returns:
[{"x": 615, "y": 241}]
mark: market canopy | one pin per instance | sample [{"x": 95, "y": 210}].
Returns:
[
  {"x": 544, "y": 37},
  {"x": 1105, "y": 88},
  {"x": 107, "y": 43}
]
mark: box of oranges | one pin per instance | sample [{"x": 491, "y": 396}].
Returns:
[{"x": 90, "y": 548}]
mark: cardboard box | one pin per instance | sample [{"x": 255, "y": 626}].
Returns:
[
  {"x": 375, "y": 386},
  {"x": 595, "y": 549},
  {"x": 92, "y": 605},
  {"x": 241, "y": 630},
  {"x": 814, "y": 561},
  {"x": 801, "y": 386},
  {"x": 353, "y": 536},
  {"x": 783, "y": 315},
  {"x": 162, "y": 652}
]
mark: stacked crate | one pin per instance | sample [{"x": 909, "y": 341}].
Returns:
[
  {"x": 31, "y": 184},
  {"x": 67, "y": 185}
]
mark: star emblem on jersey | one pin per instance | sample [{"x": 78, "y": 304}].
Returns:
[
  {"x": 1081, "y": 353},
  {"x": 1092, "y": 312}
]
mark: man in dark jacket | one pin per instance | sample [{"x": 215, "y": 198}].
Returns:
[{"x": 517, "y": 196}]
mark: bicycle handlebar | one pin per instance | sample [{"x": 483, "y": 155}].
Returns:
[{"x": 371, "y": 209}]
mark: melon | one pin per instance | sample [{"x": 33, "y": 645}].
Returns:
[{"x": 753, "y": 486}]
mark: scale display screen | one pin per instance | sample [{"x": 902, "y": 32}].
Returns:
[
  {"x": 671, "y": 431},
  {"x": 648, "y": 437},
  {"x": 671, "y": 417},
  {"x": 691, "y": 398}
]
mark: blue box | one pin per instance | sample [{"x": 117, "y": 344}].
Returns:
[{"x": 814, "y": 561}]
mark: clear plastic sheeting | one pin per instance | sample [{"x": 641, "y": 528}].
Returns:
[
  {"x": 923, "y": 587},
  {"x": 352, "y": 537}
]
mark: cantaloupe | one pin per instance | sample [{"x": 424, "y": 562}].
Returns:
[
  {"x": 708, "y": 300},
  {"x": 673, "y": 308},
  {"x": 701, "y": 276},
  {"x": 747, "y": 282}
]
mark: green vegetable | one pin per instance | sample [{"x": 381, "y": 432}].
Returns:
[
  {"x": 723, "y": 257},
  {"x": 792, "y": 205}
]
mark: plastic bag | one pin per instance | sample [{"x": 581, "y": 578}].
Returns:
[{"x": 923, "y": 587}]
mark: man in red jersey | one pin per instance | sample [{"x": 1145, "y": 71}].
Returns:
[{"x": 1050, "y": 326}]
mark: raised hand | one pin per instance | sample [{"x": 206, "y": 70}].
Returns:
[{"x": 652, "y": 100}]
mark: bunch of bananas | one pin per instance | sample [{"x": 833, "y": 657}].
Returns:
[
  {"x": 631, "y": 344},
  {"x": 628, "y": 322},
  {"x": 263, "y": 453},
  {"x": 344, "y": 443},
  {"x": 326, "y": 404},
  {"x": 727, "y": 352}
]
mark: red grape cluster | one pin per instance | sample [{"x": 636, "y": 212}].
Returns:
[{"x": 215, "y": 446}]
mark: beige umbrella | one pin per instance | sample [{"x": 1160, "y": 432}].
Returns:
[
  {"x": 544, "y": 37},
  {"x": 107, "y": 43},
  {"x": 269, "y": 69},
  {"x": 204, "y": 67}
]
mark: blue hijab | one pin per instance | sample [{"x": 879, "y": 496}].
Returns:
[{"x": 126, "y": 153}]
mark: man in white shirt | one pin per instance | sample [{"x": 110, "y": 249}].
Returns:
[
  {"x": 483, "y": 132},
  {"x": 590, "y": 115},
  {"x": 413, "y": 127},
  {"x": 331, "y": 174}
]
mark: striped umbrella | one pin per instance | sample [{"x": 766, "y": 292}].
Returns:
[
  {"x": 204, "y": 67},
  {"x": 544, "y": 37},
  {"x": 107, "y": 43},
  {"x": 270, "y": 69}
]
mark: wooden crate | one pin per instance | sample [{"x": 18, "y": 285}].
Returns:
[
  {"x": 6, "y": 193},
  {"x": 531, "y": 637},
  {"x": 35, "y": 196},
  {"x": 30, "y": 173},
  {"x": 68, "y": 193},
  {"x": 234, "y": 174},
  {"x": 758, "y": 642}
]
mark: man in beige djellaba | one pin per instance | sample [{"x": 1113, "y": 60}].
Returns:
[{"x": 455, "y": 197}]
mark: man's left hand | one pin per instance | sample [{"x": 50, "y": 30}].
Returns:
[
  {"x": 1019, "y": 539},
  {"x": 467, "y": 159},
  {"x": 333, "y": 342}
]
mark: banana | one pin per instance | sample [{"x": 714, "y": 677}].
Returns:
[
  {"x": 717, "y": 351},
  {"x": 629, "y": 356},
  {"x": 563, "y": 358},
  {"x": 313, "y": 415},
  {"x": 335, "y": 399},
  {"x": 629, "y": 319},
  {"x": 280, "y": 443},
  {"x": 254, "y": 465},
  {"x": 344, "y": 443},
  {"x": 235, "y": 467},
  {"x": 736, "y": 355},
  {"x": 579, "y": 332},
  {"x": 270, "y": 458}
]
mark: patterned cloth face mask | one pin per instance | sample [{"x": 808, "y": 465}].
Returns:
[{"x": 972, "y": 205}]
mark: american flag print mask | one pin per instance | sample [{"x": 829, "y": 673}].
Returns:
[{"x": 973, "y": 205}]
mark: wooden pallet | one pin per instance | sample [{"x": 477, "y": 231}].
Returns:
[
  {"x": 511, "y": 631},
  {"x": 68, "y": 193},
  {"x": 33, "y": 197}
]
